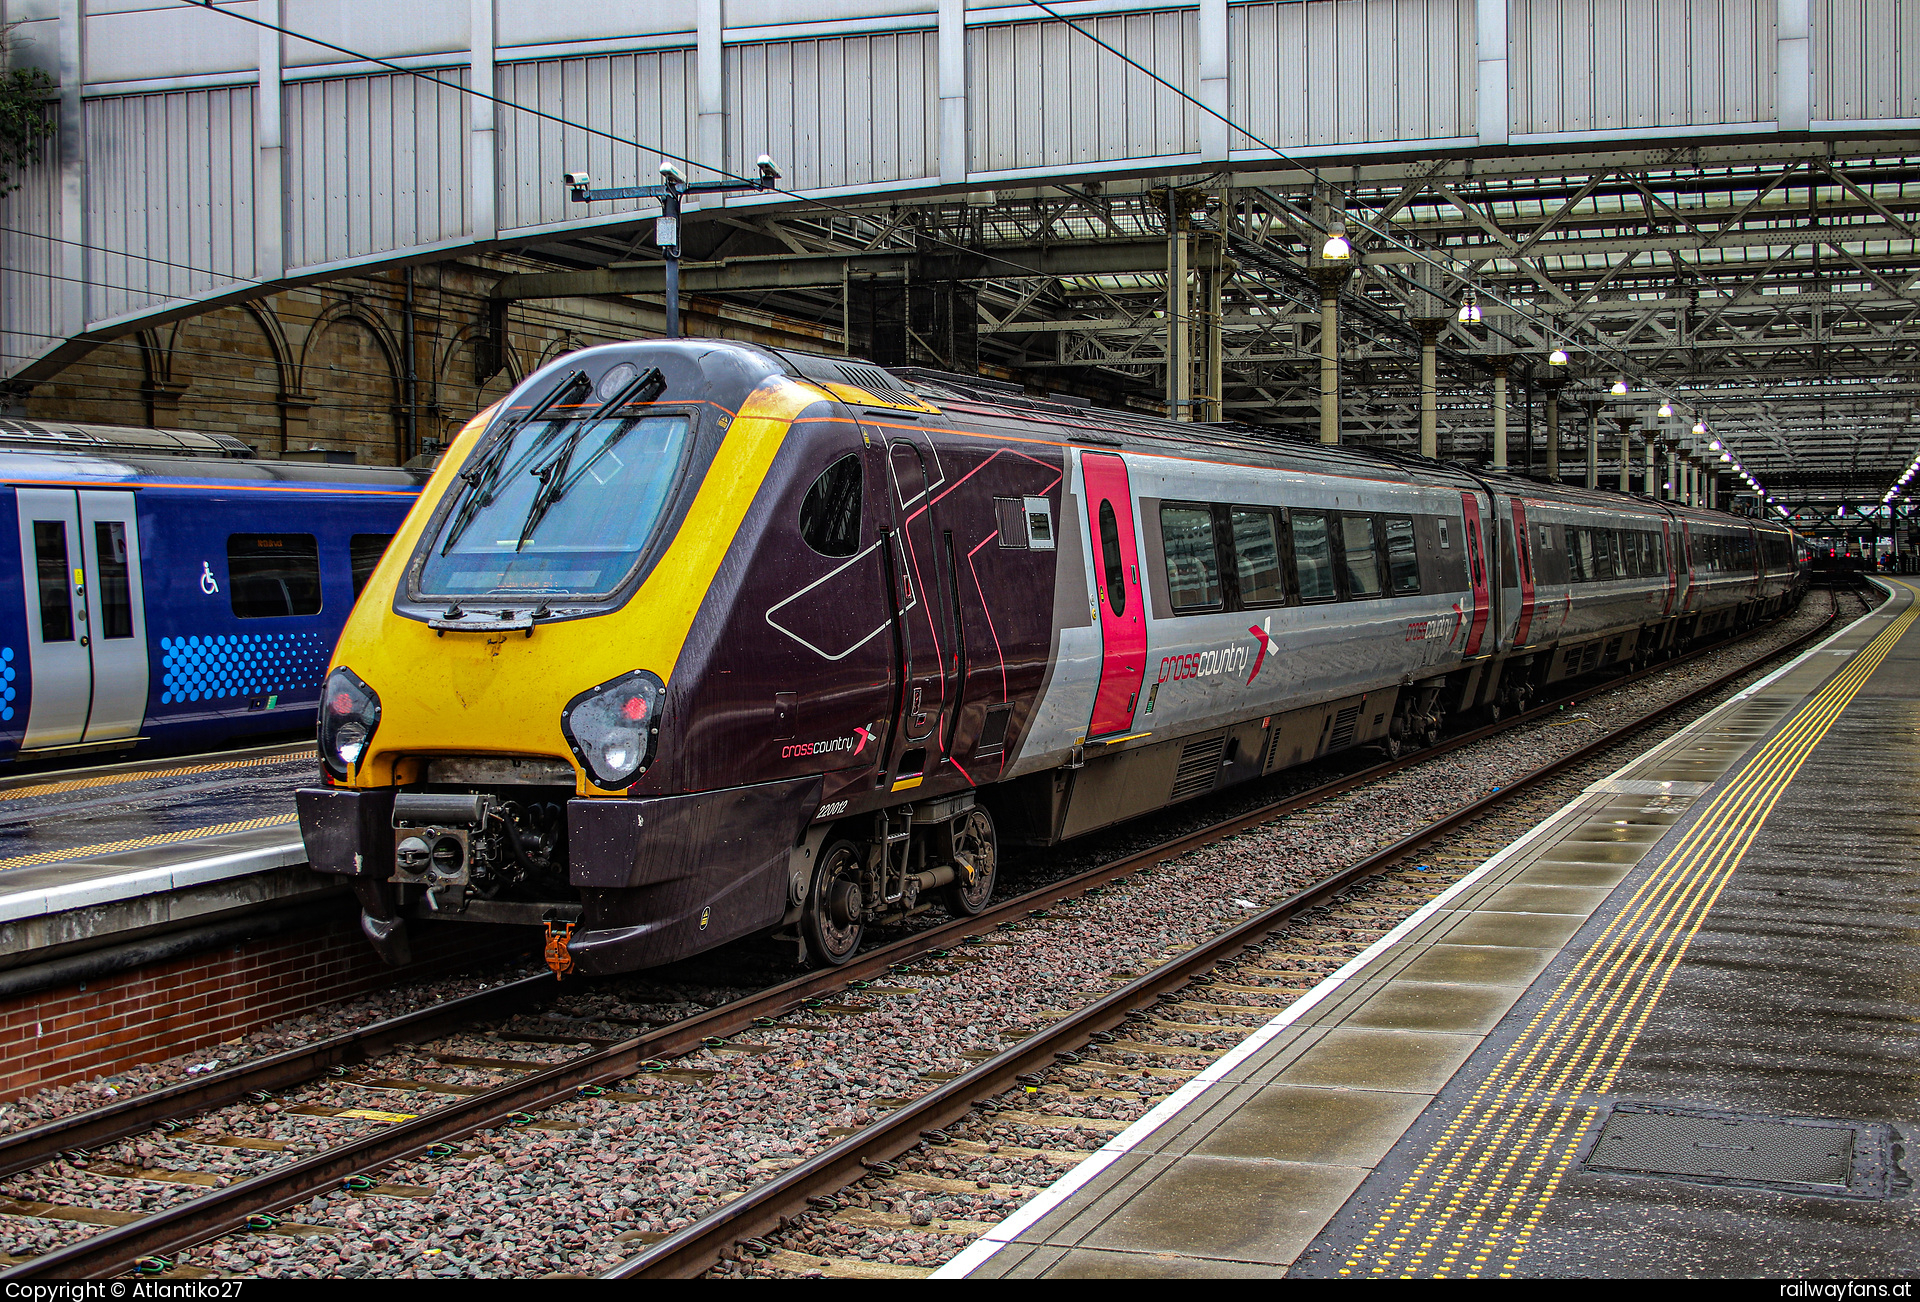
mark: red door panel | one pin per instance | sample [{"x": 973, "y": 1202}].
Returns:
[
  {"x": 1476, "y": 573},
  {"x": 1116, "y": 581},
  {"x": 1523, "y": 559}
]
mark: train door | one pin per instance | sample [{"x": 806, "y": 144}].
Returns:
[
  {"x": 929, "y": 657},
  {"x": 1673, "y": 567},
  {"x": 1476, "y": 574},
  {"x": 1523, "y": 571},
  {"x": 86, "y": 629},
  {"x": 1683, "y": 561},
  {"x": 1116, "y": 581},
  {"x": 110, "y": 543}
]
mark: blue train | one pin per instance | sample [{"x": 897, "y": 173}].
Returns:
[{"x": 162, "y": 591}]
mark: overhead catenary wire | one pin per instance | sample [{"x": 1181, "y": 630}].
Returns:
[{"x": 428, "y": 75}]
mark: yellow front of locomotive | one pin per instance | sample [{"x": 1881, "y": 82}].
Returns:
[
  {"x": 512, "y": 588},
  {"x": 503, "y": 680}
]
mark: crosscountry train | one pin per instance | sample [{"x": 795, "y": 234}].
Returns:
[
  {"x": 162, "y": 591},
  {"x": 691, "y": 640}
]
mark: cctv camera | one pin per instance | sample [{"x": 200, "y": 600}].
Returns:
[{"x": 575, "y": 178}]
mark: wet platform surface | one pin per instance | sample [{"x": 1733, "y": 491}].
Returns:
[
  {"x": 74, "y": 839},
  {"x": 1669, "y": 1032}
]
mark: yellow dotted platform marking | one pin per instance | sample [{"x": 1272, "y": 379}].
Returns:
[
  {"x": 117, "y": 779},
  {"x": 142, "y": 842},
  {"x": 1481, "y": 1189}
]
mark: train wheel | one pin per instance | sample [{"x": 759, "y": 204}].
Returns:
[
  {"x": 975, "y": 845},
  {"x": 831, "y": 919},
  {"x": 1392, "y": 746}
]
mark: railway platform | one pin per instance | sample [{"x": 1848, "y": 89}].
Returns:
[
  {"x": 1667, "y": 1032},
  {"x": 94, "y": 854}
]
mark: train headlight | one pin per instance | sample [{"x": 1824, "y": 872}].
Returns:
[
  {"x": 612, "y": 728},
  {"x": 349, "y": 714}
]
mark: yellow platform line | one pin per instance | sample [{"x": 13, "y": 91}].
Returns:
[
  {"x": 142, "y": 842},
  {"x": 116, "y": 779},
  {"x": 1587, "y": 1026}
]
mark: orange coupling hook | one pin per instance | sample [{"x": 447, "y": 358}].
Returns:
[{"x": 559, "y": 932}]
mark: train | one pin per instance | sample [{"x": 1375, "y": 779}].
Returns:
[
  {"x": 688, "y": 641},
  {"x": 166, "y": 591}
]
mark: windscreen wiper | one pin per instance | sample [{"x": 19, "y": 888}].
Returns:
[
  {"x": 644, "y": 387},
  {"x": 483, "y": 476}
]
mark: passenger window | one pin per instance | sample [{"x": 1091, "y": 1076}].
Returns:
[
  {"x": 1403, "y": 557},
  {"x": 1313, "y": 556},
  {"x": 114, "y": 581},
  {"x": 1193, "y": 567},
  {"x": 1115, "y": 563},
  {"x": 272, "y": 575},
  {"x": 56, "y": 598},
  {"x": 1580, "y": 554},
  {"x": 1546, "y": 537},
  {"x": 1363, "y": 557},
  {"x": 365, "y": 550},
  {"x": 1256, "y": 550},
  {"x": 830, "y": 512}
]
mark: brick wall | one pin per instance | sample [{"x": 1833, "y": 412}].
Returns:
[
  {"x": 325, "y": 366},
  {"x": 69, "y": 1033}
]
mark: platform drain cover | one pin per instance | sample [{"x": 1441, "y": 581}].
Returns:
[{"x": 1842, "y": 1157}]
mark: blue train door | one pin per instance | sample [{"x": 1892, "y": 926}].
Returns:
[{"x": 86, "y": 622}]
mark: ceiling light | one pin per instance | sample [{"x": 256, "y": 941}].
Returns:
[
  {"x": 1336, "y": 249},
  {"x": 1558, "y": 357},
  {"x": 1666, "y": 410},
  {"x": 1700, "y": 427},
  {"x": 1619, "y": 389},
  {"x": 1726, "y": 456},
  {"x": 1470, "y": 309}
]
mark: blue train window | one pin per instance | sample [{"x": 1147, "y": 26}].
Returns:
[
  {"x": 365, "y": 550},
  {"x": 56, "y": 598},
  {"x": 116, "y": 591},
  {"x": 273, "y": 575}
]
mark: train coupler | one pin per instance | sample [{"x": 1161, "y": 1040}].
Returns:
[{"x": 559, "y": 932}]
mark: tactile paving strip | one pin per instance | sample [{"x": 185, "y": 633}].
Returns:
[{"x": 142, "y": 842}]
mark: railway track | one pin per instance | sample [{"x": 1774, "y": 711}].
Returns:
[{"x": 642, "y": 1067}]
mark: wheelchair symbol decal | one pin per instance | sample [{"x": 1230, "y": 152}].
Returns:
[{"x": 208, "y": 584}]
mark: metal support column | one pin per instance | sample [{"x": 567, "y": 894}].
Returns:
[
  {"x": 1430, "y": 328},
  {"x": 1500, "y": 418},
  {"x": 1593, "y": 445},
  {"x": 1179, "y": 314},
  {"x": 1330, "y": 277},
  {"x": 1551, "y": 386},
  {"x": 1653, "y": 475},
  {"x": 1626, "y": 424}
]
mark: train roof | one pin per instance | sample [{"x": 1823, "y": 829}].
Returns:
[
  {"x": 19, "y": 467},
  {"x": 36, "y": 450},
  {"x": 1082, "y": 422}
]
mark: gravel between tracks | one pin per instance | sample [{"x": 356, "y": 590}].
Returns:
[{"x": 535, "y": 1200}]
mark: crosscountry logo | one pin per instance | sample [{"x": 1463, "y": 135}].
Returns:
[{"x": 1263, "y": 634}]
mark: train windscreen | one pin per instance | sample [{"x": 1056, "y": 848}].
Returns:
[{"x": 557, "y": 508}]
